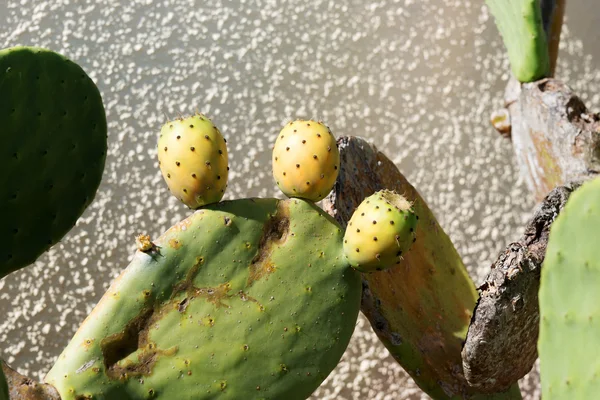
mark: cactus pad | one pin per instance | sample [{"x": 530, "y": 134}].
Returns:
[
  {"x": 244, "y": 299},
  {"x": 52, "y": 151},
  {"x": 569, "y": 308},
  {"x": 521, "y": 27},
  {"x": 192, "y": 155},
  {"x": 3, "y": 384},
  {"x": 380, "y": 230},
  {"x": 306, "y": 160}
]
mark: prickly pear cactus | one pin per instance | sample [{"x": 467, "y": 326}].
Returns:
[
  {"x": 569, "y": 309},
  {"x": 52, "y": 153},
  {"x": 3, "y": 385},
  {"x": 192, "y": 155},
  {"x": 246, "y": 299},
  {"x": 381, "y": 229},
  {"x": 306, "y": 160},
  {"x": 521, "y": 27}
]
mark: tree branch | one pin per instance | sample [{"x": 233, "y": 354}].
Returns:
[{"x": 501, "y": 345}]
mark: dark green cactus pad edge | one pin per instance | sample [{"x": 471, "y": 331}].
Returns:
[
  {"x": 520, "y": 24},
  {"x": 53, "y": 135},
  {"x": 3, "y": 385},
  {"x": 245, "y": 299},
  {"x": 569, "y": 306}
]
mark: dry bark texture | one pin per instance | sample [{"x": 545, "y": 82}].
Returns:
[
  {"x": 22, "y": 388},
  {"x": 501, "y": 345},
  {"x": 556, "y": 139}
]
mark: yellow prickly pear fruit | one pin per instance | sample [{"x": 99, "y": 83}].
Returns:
[
  {"x": 192, "y": 155},
  {"x": 306, "y": 160},
  {"x": 381, "y": 229}
]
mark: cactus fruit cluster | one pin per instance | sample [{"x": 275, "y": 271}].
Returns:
[
  {"x": 569, "y": 309},
  {"x": 192, "y": 155},
  {"x": 258, "y": 298},
  {"x": 54, "y": 140},
  {"x": 380, "y": 230},
  {"x": 521, "y": 27},
  {"x": 195, "y": 312},
  {"x": 306, "y": 160}
]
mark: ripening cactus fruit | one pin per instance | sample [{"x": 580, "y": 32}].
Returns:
[
  {"x": 306, "y": 160},
  {"x": 245, "y": 299},
  {"x": 52, "y": 151},
  {"x": 192, "y": 155},
  {"x": 569, "y": 306},
  {"x": 381, "y": 229}
]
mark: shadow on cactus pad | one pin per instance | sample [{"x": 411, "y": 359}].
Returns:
[{"x": 52, "y": 152}]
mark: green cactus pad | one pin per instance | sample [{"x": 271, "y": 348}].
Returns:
[
  {"x": 521, "y": 27},
  {"x": 569, "y": 306},
  {"x": 192, "y": 155},
  {"x": 247, "y": 299},
  {"x": 381, "y": 229},
  {"x": 52, "y": 151},
  {"x": 3, "y": 384}
]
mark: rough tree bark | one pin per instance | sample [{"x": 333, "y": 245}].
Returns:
[
  {"x": 501, "y": 345},
  {"x": 22, "y": 388},
  {"x": 556, "y": 139}
]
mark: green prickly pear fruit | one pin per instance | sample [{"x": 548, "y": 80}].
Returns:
[
  {"x": 521, "y": 27},
  {"x": 381, "y": 229},
  {"x": 245, "y": 299},
  {"x": 192, "y": 155},
  {"x": 569, "y": 306},
  {"x": 306, "y": 160},
  {"x": 52, "y": 153}
]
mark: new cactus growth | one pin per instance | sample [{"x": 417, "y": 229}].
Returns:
[
  {"x": 245, "y": 299},
  {"x": 192, "y": 155},
  {"x": 521, "y": 27},
  {"x": 54, "y": 139},
  {"x": 569, "y": 308},
  {"x": 381, "y": 229},
  {"x": 306, "y": 160}
]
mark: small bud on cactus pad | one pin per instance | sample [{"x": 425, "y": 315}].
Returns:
[
  {"x": 52, "y": 151},
  {"x": 381, "y": 229},
  {"x": 192, "y": 155},
  {"x": 306, "y": 160}
]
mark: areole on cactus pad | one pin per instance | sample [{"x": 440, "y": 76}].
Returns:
[
  {"x": 54, "y": 139},
  {"x": 244, "y": 299}
]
